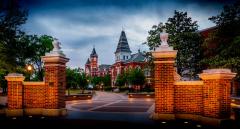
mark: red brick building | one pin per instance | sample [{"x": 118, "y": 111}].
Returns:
[
  {"x": 91, "y": 66},
  {"x": 124, "y": 60}
]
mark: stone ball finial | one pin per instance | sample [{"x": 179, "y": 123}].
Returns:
[{"x": 164, "y": 38}]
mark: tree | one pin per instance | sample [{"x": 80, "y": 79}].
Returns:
[
  {"x": 96, "y": 81},
  {"x": 71, "y": 78},
  {"x": 41, "y": 45},
  {"x": 136, "y": 77},
  {"x": 122, "y": 79},
  {"x": 226, "y": 39},
  {"x": 183, "y": 37},
  {"x": 106, "y": 80},
  {"x": 82, "y": 80},
  {"x": 3, "y": 82},
  {"x": 11, "y": 19}
]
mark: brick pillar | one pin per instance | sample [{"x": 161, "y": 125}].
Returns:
[
  {"x": 164, "y": 60},
  {"x": 15, "y": 94},
  {"x": 55, "y": 81},
  {"x": 216, "y": 93}
]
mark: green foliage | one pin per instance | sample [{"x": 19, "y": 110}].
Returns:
[
  {"x": 183, "y": 37},
  {"x": 83, "y": 81},
  {"x": 122, "y": 79},
  {"x": 41, "y": 45},
  {"x": 222, "y": 45},
  {"x": 71, "y": 78},
  {"x": 136, "y": 77},
  {"x": 11, "y": 45},
  {"x": 3, "y": 82},
  {"x": 96, "y": 81},
  {"x": 106, "y": 80}
]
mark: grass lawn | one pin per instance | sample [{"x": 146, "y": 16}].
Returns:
[{"x": 77, "y": 91}]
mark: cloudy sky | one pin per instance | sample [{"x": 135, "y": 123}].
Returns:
[{"x": 81, "y": 24}]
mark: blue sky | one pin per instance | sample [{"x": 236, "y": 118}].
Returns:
[{"x": 81, "y": 24}]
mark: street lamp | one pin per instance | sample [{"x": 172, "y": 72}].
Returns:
[{"x": 29, "y": 69}]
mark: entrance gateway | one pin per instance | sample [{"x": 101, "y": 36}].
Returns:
[{"x": 206, "y": 101}]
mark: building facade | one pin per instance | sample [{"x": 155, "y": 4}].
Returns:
[{"x": 124, "y": 60}]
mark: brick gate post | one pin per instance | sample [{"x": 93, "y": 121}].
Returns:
[
  {"x": 55, "y": 81},
  {"x": 164, "y": 59},
  {"x": 216, "y": 93},
  {"x": 15, "y": 94}
]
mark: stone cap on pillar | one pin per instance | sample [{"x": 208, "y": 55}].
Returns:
[
  {"x": 164, "y": 50},
  {"x": 217, "y": 74},
  {"x": 14, "y": 77},
  {"x": 56, "y": 55}
]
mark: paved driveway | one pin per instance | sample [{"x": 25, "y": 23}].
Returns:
[
  {"x": 112, "y": 102},
  {"x": 111, "y": 106}
]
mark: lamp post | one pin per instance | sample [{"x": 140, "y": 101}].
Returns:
[{"x": 29, "y": 69}]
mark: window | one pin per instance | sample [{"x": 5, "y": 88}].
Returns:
[{"x": 123, "y": 57}]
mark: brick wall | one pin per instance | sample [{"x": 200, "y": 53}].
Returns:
[
  {"x": 15, "y": 94},
  {"x": 216, "y": 98},
  {"x": 209, "y": 98},
  {"x": 34, "y": 94},
  {"x": 188, "y": 97},
  {"x": 164, "y": 88},
  {"x": 55, "y": 80}
]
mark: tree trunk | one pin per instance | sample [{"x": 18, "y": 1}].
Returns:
[{"x": 68, "y": 91}]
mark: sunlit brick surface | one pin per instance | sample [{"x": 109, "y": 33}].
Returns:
[
  {"x": 216, "y": 98},
  {"x": 55, "y": 87},
  {"x": 188, "y": 99},
  {"x": 34, "y": 96},
  {"x": 209, "y": 98},
  {"x": 164, "y": 87},
  {"x": 15, "y": 94}
]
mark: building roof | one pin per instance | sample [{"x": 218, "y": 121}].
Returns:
[
  {"x": 123, "y": 44},
  {"x": 104, "y": 66},
  {"x": 137, "y": 57},
  {"x": 88, "y": 61},
  {"x": 94, "y": 53}
]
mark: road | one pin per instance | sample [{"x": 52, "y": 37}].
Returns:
[{"x": 111, "y": 106}]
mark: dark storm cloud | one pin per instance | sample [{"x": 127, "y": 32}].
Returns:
[{"x": 80, "y": 24}]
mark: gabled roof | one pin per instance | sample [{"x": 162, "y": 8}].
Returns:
[
  {"x": 94, "y": 53},
  {"x": 123, "y": 44},
  {"x": 104, "y": 66},
  {"x": 137, "y": 57},
  {"x": 88, "y": 61}
]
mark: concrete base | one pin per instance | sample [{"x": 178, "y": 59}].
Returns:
[
  {"x": 54, "y": 112},
  {"x": 33, "y": 111},
  {"x": 157, "y": 116},
  {"x": 14, "y": 112},
  {"x": 212, "y": 121},
  {"x": 2, "y": 111},
  {"x": 198, "y": 118},
  {"x": 188, "y": 117}
]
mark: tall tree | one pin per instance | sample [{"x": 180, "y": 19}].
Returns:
[
  {"x": 41, "y": 45},
  {"x": 136, "y": 77},
  {"x": 83, "y": 81},
  {"x": 11, "y": 19},
  {"x": 183, "y": 37},
  {"x": 223, "y": 43}
]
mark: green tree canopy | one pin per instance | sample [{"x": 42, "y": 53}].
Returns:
[
  {"x": 11, "y": 19},
  {"x": 136, "y": 77},
  {"x": 223, "y": 43},
  {"x": 183, "y": 37}
]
